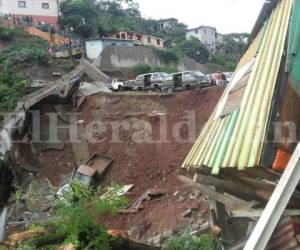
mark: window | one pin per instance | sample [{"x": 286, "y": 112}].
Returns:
[
  {"x": 118, "y": 36},
  {"x": 45, "y": 6},
  {"x": 155, "y": 76},
  {"x": 188, "y": 76},
  {"x": 196, "y": 32},
  {"x": 149, "y": 39},
  {"x": 22, "y": 4},
  {"x": 158, "y": 41}
]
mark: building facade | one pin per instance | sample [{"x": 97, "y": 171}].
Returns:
[
  {"x": 94, "y": 47},
  {"x": 138, "y": 38},
  {"x": 167, "y": 24},
  {"x": 39, "y": 10},
  {"x": 207, "y": 35}
]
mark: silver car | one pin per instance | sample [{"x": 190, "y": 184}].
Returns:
[{"x": 153, "y": 81}]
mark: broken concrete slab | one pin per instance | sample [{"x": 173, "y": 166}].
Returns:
[
  {"x": 93, "y": 72},
  {"x": 88, "y": 89}
]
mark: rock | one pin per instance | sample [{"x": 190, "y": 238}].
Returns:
[
  {"x": 181, "y": 199},
  {"x": 200, "y": 221},
  {"x": 195, "y": 227},
  {"x": 39, "y": 196},
  {"x": 167, "y": 234},
  {"x": 156, "y": 240},
  {"x": 139, "y": 229}
]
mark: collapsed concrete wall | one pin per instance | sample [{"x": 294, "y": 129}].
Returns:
[{"x": 121, "y": 58}]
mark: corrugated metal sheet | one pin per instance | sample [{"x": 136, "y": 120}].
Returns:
[{"x": 236, "y": 140}]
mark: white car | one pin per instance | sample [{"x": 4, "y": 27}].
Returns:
[{"x": 117, "y": 85}]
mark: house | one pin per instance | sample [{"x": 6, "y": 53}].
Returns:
[
  {"x": 39, "y": 10},
  {"x": 167, "y": 24},
  {"x": 138, "y": 38},
  {"x": 94, "y": 47},
  {"x": 207, "y": 35}
]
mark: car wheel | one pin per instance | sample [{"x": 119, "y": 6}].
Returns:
[{"x": 120, "y": 88}]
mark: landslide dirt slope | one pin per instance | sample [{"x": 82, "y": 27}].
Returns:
[{"x": 148, "y": 164}]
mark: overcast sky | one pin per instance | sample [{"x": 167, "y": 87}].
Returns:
[{"x": 226, "y": 15}]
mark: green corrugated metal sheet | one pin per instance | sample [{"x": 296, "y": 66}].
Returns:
[
  {"x": 294, "y": 48},
  {"x": 236, "y": 140}
]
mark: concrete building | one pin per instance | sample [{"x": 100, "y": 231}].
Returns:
[
  {"x": 207, "y": 35},
  {"x": 167, "y": 24},
  {"x": 94, "y": 47},
  {"x": 138, "y": 38},
  {"x": 41, "y": 10}
]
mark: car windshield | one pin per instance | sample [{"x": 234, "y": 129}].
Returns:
[
  {"x": 169, "y": 77},
  {"x": 163, "y": 75}
]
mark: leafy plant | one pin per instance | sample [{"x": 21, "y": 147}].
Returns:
[
  {"x": 11, "y": 90},
  {"x": 167, "y": 56},
  {"x": 18, "y": 53},
  {"x": 140, "y": 69},
  {"x": 8, "y": 33},
  {"x": 192, "y": 48},
  {"x": 78, "y": 211},
  {"x": 186, "y": 241}
]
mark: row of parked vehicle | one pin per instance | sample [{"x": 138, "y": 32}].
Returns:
[{"x": 161, "y": 81}]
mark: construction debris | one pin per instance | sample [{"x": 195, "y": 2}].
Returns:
[{"x": 147, "y": 196}]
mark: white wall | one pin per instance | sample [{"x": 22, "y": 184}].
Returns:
[
  {"x": 206, "y": 35},
  {"x": 93, "y": 49},
  {"x": 33, "y": 7}
]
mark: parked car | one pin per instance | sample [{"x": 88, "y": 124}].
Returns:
[
  {"x": 116, "y": 85},
  {"x": 211, "y": 78},
  {"x": 189, "y": 79},
  {"x": 228, "y": 76},
  {"x": 153, "y": 81}
]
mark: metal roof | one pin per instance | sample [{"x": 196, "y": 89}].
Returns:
[{"x": 236, "y": 140}]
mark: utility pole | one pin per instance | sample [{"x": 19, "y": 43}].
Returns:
[{"x": 68, "y": 31}]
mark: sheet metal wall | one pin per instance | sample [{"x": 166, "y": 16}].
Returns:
[{"x": 236, "y": 140}]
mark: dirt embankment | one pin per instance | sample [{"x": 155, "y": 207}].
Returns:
[{"x": 148, "y": 137}]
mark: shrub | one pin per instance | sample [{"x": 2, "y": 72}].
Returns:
[
  {"x": 186, "y": 241},
  {"x": 78, "y": 211},
  {"x": 18, "y": 53},
  {"x": 12, "y": 87},
  {"x": 227, "y": 62},
  {"x": 167, "y": 56},
  {"x": 8, "y": 33},
  {"x": 142, "y": 69}
]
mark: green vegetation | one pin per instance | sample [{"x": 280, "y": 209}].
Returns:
[
  {"x": 12, "y": 84},
  {"x": 192, "y": 48},
  {"x": 34, "y": 51},
  {"x": 146, "y": 68},
  {"x": 11, "y": 90},
  {"x": 167, "y": 56},
  {"x": 9, "y": 33},
  {"x": 223, "y": 61},
  {"x": 78, "y": 211},
  {"x": 188, "y": 242}
]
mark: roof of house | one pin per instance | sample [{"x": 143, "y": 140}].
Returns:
[
  {"x": 203, "y": 27},
  {"x": 108, "y": 39},
  {"x": 168, "y": 19}
]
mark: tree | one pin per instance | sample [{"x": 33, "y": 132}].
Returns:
[
  {"x": 192, "y": 48},
  {"x": 81, "y": 15}
]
